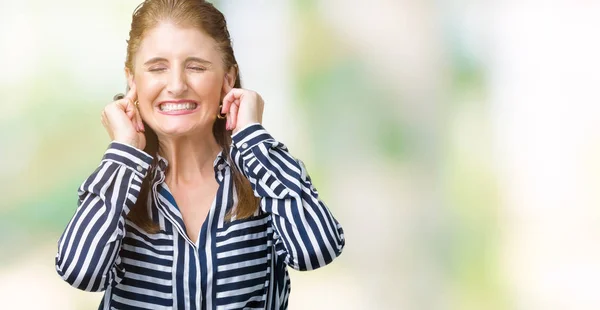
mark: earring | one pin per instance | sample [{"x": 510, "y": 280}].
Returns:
[
  {"x": 136, "y": 103},
  {"x": 219, "y": 115}
]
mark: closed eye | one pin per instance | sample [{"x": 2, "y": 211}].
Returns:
[
  {"x": 199, "y": 69},
  {"x": 157, "y": 69}
]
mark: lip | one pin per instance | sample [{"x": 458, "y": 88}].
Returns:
[{"x": 182, "y": 112}]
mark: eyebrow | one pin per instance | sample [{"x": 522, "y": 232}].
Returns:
[{"x": 161, "y": 59}]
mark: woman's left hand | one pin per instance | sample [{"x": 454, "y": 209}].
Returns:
[{"x": 243, "y": 107}]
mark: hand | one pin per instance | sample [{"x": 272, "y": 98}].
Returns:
[
  {"x": 123, "y": 122},
  {"x": 243, "y": 107}
]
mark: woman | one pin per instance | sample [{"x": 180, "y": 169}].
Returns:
[{"x": 194, "y": 205}]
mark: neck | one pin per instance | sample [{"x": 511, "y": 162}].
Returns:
[{"x": 190, "y": 157}]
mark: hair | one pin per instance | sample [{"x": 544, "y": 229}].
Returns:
[{"x": 204, "y": 16}]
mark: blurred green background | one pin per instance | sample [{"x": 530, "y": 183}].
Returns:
[{"x": 456, "y": 141}]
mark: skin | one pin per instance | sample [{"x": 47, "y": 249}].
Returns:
[{"x": 175, "y": 63}]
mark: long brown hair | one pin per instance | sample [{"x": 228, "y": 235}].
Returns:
[{"x": 204, "y": 16}]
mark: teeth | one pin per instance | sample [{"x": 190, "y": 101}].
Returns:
[{"x": 177, "y": 106}]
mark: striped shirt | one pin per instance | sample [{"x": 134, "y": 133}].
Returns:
[{"x": 236, "y": 264}]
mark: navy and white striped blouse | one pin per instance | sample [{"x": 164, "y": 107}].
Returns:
[{"x": 239, "y": 264}]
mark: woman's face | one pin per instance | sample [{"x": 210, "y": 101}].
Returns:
[{"x": 180, "y": 80}]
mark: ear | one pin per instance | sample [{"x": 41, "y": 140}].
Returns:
[
  {"x": 229, "y": 80},
  {"x": 129, "y": 77}
]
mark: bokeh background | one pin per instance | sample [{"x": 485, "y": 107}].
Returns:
[{"x": 457, "y": 141}]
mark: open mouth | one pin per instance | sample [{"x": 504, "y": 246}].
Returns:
[{"x": 173, "y": 107}]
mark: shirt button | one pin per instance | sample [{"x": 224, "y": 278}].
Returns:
[
  {"x": 139, "y": 168},
  {"x": 245, "y": 145},
  {"x": 220, "y": 167}
]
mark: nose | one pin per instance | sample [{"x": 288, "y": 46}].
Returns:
[{"x": 177, "y": 84}]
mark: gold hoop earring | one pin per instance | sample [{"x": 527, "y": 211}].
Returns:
[
  {"x": 136, "y": 103},
  {"x": 219, "y": 115}
]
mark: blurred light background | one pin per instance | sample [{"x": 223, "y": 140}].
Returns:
[{"x": 457, "y": 141}]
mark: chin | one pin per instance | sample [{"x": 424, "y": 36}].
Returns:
[{"x": 180, "y": 130}]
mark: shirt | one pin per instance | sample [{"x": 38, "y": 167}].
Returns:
[{"x": 236, "y": 264}]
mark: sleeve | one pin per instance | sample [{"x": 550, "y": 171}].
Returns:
[
  {"x": 88, "y": 249},
  {"x": 307, "y": 236}
]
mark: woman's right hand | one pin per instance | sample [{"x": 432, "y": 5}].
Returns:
[{"x": 123, "y": 122}]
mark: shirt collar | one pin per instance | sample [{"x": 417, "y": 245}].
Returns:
[
  {"x": 162, "y": 163},
  {"x": 220, "y": 163}
]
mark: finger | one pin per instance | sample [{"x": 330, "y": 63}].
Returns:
[
  {"x": 233, "y": 116},
  {"x": 138, "y": 118},
  {"x": 232, "y": 95},
  {"x": 132, "y": 93},
  {"x": 135, "y": 122},
  {"x": 127, "y": 106},
  {"x": 226, "y": 103},
  {"x": 129, "y": 99}
]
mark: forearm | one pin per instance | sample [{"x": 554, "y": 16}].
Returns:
[
  {"x": 89, "y": 246},
  {"x": 306, "y": 231}
]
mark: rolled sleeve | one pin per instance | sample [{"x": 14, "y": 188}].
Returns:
[
  {"x": 129, "y": 156},
  {"x": 251, "y": 135}
]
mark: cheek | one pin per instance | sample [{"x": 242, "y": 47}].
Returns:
[
  {"x": 148, "y": 88},
  {"x": 148, "y": 82},
  {"x": 206, "y": 85}
]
